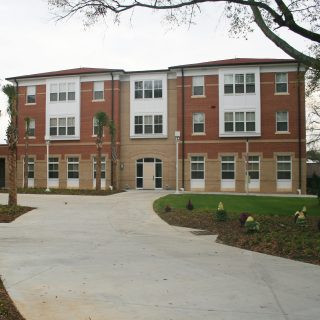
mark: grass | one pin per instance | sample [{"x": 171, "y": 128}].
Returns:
[
  {"x": 257, "y": 205},
  {"x": 278, "y": 234},
  {"x": 83, "y": 192}
]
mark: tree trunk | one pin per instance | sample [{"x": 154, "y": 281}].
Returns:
[
  {"x": 98, "y": 168},
  {"x": 12, "y": 177},
  {"x": 26, "y": 159}
]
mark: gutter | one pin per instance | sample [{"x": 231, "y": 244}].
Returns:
[
  {"x": 183, "y": 128},
  {"x": 299, "y": 126},
  {"x": 17, "y": 104},
  {"x": 112, "y": 118}
]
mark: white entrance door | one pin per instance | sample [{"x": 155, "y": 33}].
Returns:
[{"x": 148, "y": 175}]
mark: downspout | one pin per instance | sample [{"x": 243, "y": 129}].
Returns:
[
  {"x": 112, "y": 117},
  {"x": 17, "y": 103},
  {"x": 299, "y": 127},
  {"x": 183, "y": 125}
]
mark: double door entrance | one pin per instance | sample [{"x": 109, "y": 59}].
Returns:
[{"x": 149, "y": 173}]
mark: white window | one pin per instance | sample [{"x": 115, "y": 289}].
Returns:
[
  {"x": 198, "y": 86},
  {"x": 62, "y": 126},
  {"x": 239, "y": 83},
  {"x": 227, "y": 168},
  {"x": 31, "y": 94},
  {"x": 198, "y": 122},
  {"x": 30, "y": 168},
  {"x": 103, "y": 167},
  {"x": 282, "y": 121},
  {"x": 254, "y": 167},
  {"x": 53, "y": 167},
  {"x": 284, "y": 167},
  {"x": 197, "y": 167},
  {"x": 239, "y": 121},
  {"x": 98, "y": 90},
  {"x": 32, "y": 128},
  {"x": 282, "y": 82},
  {"x": 73, "y": 168},
  {"x": 148, "y": 124},
  {"x": 228, "y": 83},
  {"x": 148, "y": 89},
  {"x": 62, "y": 91},
  {"x": 95, "y": 126}
]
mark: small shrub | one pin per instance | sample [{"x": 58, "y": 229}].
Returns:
[
  {"x": 221, "y": 214},
  {"x": 243, "y": 218},
  {"x": 299, "y": 218},
  {"x": 251, "y": 225},
  {"x": 190, "y": 205},
  {"x": 167, "y": 208},
  {"x": 319, "y": 226}
]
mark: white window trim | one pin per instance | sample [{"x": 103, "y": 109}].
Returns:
[
  {"x": 287, "y": 155},
  {"x": 143, "y": 125},
  {"x": 202, "y": 181},
  {"x": 245, "y": 122},
  {"x": 275, "y": 84},
  {"x": 282, "y": 132},
  {"x": 57, "y": 126},
  {"x": 35, "y": 96},
  {"x": 58, "y": 91},
  {"x": 244, "y": 84},
  {"x": 204, "y": 125},
  {"x": 74, "y": 179},
  {"x": 143, "y": 97},
  {"x": 234, "y": 163},
  {"x": 93, "y": 91},
  {"x": 203, "y": 95},
  {"x": 54, "y": 162},
  {"x": 259, "y": 162},
  {"x": 94, "y": 162}
]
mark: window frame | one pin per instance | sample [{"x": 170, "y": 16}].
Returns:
[
  {"x": 32, "y": 128},
  {"x": 203, "y": 161},
  {"x": 279, "y": 122},
  {"x": 194, "y": 86},
  {"x": 58, "y": 126},
  {"x": 153, "y": 124},
  {"x": 281, "y": 83},
  {"x": 54, "y": 162},
  {"x": 94, "y": 91},
  {"x": 250, "y": 162},
  {"x": 69, "y": 92},
  {"x": 226, "y": 161},
  {"x": 244, "y": 83},
  {"x": 103, "y": 167},
  {"x": 203, "y": 123},
  {"x": 31, "y": 164},
  {"x": 31, "y": 95},
  {"x": 234, "y": 122},
  {"x": 142, "y": 89},
  {"x": 73, "y": 163},
  {"x": 284, "y": 162}
]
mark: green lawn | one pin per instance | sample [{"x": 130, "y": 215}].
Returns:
[{"x": 257, "y": 205}]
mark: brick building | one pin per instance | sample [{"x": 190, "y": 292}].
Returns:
[{"x": 236, "y": 118}]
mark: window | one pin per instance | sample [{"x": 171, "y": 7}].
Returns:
[
  {"x": 250, "y": 83},
  {"x": 148, "y": 124},
  {"x": 139, "y": 180},
  {"x": 198, "y": 86},
  {"x": 281, "y": 82},
  {"x": 62, "y": 126},
  {"x": 228, "y": 83},
  {"x": 71, "y": 91},
  {"x": 53, "y": 168},
  {"x": 227, "y": 168},
  {"x": 32, "y": 127},
  {"x": 254, "y": 167},
  {"x": 31, "y": 168},
  {"x": 148, "y": 89},
  {"x": 283, "y": 167},
  {"x": 282, "y": 121},
  {"x": 228, "y": 121},
  {"x": 73, "y": 168},
  {"x": 198, "y": 122},
  {"x": 95, "y": 126},
  {"x": 197, "y": 167},
  {"x": 62, "y": 91},
  {"x": 31, "y": 94},
  {"x": 103, "y": 167},
  {"x": 98, "y": 90},
  {"x": 239, "y": 121},
  {"x": 239, "y": 83}
]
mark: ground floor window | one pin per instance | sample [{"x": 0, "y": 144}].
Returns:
[
  {"x": 227, "y": 168},
  {"x": 149, "y": 173},
  {"x": 284, "y": 167},
  {"x": 53, "y": 168},
  {"x": 73, "y": 168},
  {"x": 103, "y": 167},
  {"x": 254, "y": 167},
  {"x": 30, "y": 168},
  {"x": 197, "y": 167}
]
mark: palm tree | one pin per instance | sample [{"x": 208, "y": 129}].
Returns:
[
  {"x": 12, "y": 139},
  {"x": 112, "y": 133},
  {"x": 101, "y": 122},
  {"x": 26, "y": 157}
]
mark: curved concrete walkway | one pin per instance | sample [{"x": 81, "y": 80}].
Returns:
[{"x": 112, "y": 258}]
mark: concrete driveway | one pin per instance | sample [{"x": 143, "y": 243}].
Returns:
[{"x": 112, "y": 258}]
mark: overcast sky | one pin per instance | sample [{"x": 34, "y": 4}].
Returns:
[{"x": 32, "y": 41}]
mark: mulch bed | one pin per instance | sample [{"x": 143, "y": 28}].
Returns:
[
  {"x": 278, "y": 236},
  {"x": 8, "y": 214}
]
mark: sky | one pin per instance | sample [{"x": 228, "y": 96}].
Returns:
[{"x": 31, "y": 41}]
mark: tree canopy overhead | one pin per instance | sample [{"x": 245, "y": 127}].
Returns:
[{"x": 299, "y": 17}]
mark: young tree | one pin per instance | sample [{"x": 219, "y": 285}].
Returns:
[
  {"x": 297, "y": 17},
  {"x": 12, "y": 139},
  {"x": 26, "y": 152},
  {"x": 101, "y": 122}
]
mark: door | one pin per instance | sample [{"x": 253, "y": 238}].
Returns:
[
  {"x": 148, "y": 175},
  {"x": 2, "y": 173}
]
